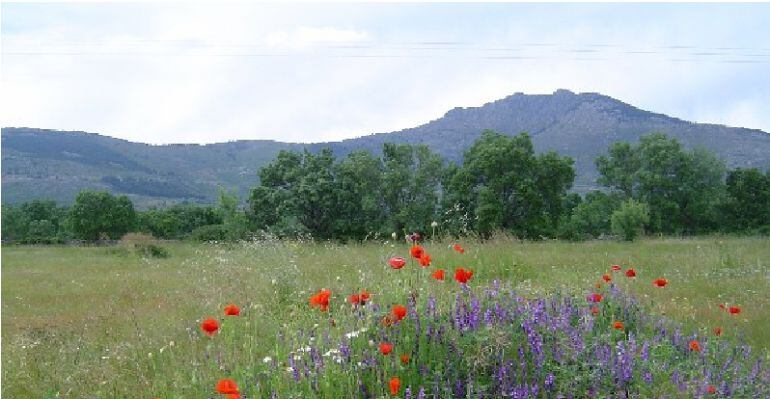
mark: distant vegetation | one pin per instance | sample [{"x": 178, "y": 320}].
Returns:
[{"x": 653, "y": 187}]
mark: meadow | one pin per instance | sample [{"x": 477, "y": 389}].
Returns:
[{"x": 99, "y": 322}]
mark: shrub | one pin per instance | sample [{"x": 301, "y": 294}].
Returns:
[
  {"x": 212, "y": 232},
  {"x": 629, "y": 221},
  {"x": 143, "y": 245}
]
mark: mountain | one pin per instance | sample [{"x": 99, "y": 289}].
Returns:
[{"x": 38, "y": 163}]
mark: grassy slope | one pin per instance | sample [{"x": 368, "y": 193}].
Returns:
[{"x": 87, "y": 322}]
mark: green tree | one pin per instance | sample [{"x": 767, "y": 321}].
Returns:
[
  {"x": 411, "y": 182},
  {"x": 748, "y": 202},
  {"x": 530, "y": 188},
  {"x": 233, "y": 218},
  {"x": 98, "y": 213},
  {"x": 489, "y": 212},
  {"x": 629, "y": 220},
  {"x": 682, "y": 189},
  {"x": 360, "y": 205},
  {"x": 591, "y": 217}
]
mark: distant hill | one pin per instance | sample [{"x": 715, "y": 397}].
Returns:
[{"x": 38, "y": 163}]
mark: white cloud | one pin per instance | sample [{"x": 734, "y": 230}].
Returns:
[{"x": 306, "y": 36}]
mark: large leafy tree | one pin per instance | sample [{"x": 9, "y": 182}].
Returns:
[
  {"x": 748, "y": 202},
  {"x": 502, "y": 174},
  {"x": 38, "y": 221},
  {"x": 360, "y": 204},
  {"x": 98, "y": 214},
  {"x": 411, "y": 182},
  {"x": 681, "y": 188}
]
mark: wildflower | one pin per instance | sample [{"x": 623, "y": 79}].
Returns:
[
  {"x": 414, "y": 237},
  {"x": 386, "y": 348},
  {"x": 210, "y": 326},
  {"x": 404, "y": 358},
  {"x": 399, "y": 312},
  {"x": 395, "y": 385},
  {"x": 321, "y": 300},
  {"x": 595, "y": 298},
  {"x": 462, "y": 276},
  {"x": 630, "y": 273},
  {"x": 598, "y": 285},
  {"x": 227, "y": 386},
  {"x": 434, "y": 224},
  {"x": 618, "y": 325},
  {"x": 660, "y": 282},
  {"x": 694, "y": 346},
  {"x": 459, "y": 249},
  {"x": 359, "y": 298},
  {"x": 397, "y": 262},
  {"x": 232, "y": 310},
  {"x": 394, "y": 235},
  {"x": 438, "y": 274},
  {"x": 615, "y": 268},
  {"x": 424, "y": 260},
  {"x": 722, "y": 306},
  {"x": 607, "y": 278},
  {"x": 417, "y": 251},
  {"x": 734, "y": 310},
  {"x": 594, "y": 310},
  {"x": 718, "y": 331},
  {"x": 711, "y": 389}
]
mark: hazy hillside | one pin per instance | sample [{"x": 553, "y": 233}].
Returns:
[{"x": 52, "y": 164}]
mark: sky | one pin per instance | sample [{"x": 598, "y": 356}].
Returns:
[{"x": 201, "y": 73}]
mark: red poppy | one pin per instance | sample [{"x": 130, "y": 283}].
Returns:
[
  {"x": 228, "y": 387},
  {"x": 416, "y": 251},
  {"x": 232, "y": 310},
  {"x": 462, "y": 276},
  {"x": 364, "y": 296},
  {"x": 618, "y": 325},
  {"x": 694, "y": 346},
  {"x": 459, "y": 249},
  {"x": 595, "y": 298},
  {"x": 734, "y": 310},
  {"x": 404, "y": 358},
  {"x": 607, "y": 278},
  {"x": 660, "y": 282},
  {"x": 594, "y": 310},
  {"x": 711, "y": 389},
  {"x": 210, "y": 326},
  {"x": 424, "y": 260},
  {"x": 718, "y": 331},
  {"x": 386, "y": 348},
  {"x": 321, "y": 300},
  {"x": 615, "y": 268},
  {"x": 399, "y": 311},
  {"x": 438, "y": 274},
  {"x": 722, "y": 306},
  {"x": 395, "y": 385},
  {"x": 630, "y": 273},
  {"x": 397, "y": 262},
  {"x": 355, "y": 299}
]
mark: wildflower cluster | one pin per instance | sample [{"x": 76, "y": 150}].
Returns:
[{"x": 463, "y": 341}]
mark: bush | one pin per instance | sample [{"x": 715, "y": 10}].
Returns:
[
  {"x": 143, "y": 245},
  {"x": 212, "y": 232},
  {"x": 629, "y": 221}
]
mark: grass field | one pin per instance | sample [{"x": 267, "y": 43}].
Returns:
[{"x": 99, "y": 322}]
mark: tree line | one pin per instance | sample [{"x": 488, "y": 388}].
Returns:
[{"x": 651, "y": 187}]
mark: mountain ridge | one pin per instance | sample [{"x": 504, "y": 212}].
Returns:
[{"x": 40, "y": 163}]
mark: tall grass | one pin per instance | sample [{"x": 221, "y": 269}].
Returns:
[{"x": 88, "y": 322}]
